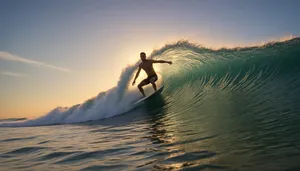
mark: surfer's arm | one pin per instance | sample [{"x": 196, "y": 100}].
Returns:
[
  {"x": 136, "y": 75},
  {"x": 161, "y": 61}
]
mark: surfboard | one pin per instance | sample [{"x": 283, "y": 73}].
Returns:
[{"x": 149, "y": 97}]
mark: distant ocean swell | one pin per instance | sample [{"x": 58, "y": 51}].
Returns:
[{"x": 262, "y": 79}]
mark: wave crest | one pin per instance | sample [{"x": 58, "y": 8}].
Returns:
[{"x": 195, "y": 70}]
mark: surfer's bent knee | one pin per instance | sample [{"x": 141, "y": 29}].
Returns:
[{"x": 140, "y": 85}]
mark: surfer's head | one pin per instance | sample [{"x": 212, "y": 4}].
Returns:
[{"x": 143, "y": 56}]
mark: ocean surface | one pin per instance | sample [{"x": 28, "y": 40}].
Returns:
[{"x": 225, "y": 109}]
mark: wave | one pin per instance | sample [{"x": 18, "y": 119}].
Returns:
[
  {"x": 259, "y": 72},
  {"x": 12, "y": 119}
]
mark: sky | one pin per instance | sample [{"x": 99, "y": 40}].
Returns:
[{"x": 63, "y": 52}]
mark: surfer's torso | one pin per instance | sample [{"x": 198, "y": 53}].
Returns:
[{"x": 147, "y": 66}]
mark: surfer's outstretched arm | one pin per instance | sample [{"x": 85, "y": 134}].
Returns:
[
  {"x": 161, "y": 61},
  {"x": 136, "y": 75}
]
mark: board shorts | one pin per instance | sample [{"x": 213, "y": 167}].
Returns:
[{"x": 151, "y": 78}]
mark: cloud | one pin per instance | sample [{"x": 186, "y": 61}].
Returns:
[
  {"x": 10, "y": 57},
  {"x": 12, "y": 74}
]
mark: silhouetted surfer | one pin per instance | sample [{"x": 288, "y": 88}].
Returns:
[{"x": 147, "y": 66}]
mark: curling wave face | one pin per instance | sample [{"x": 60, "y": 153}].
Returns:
[{"x": 257, "y": 80}]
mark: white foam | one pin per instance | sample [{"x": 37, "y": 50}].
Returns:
[{"x": 108, "y": 104}]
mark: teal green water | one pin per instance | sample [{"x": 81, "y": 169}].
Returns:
[{"x": 227, "y": 109}]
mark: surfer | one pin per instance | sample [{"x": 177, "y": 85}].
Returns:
[{"x": 147, "y": 66}]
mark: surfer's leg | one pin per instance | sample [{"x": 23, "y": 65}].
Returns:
[
  {"x": 154, "y": 86},
  {"x": 140, "y": 86},
  {"x": 152, "y": 81}
]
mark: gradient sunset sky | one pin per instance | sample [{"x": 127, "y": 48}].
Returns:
[{"x": 62, "y": 52}]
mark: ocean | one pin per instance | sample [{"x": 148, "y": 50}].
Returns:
[{"x": 225, "y": 109}]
